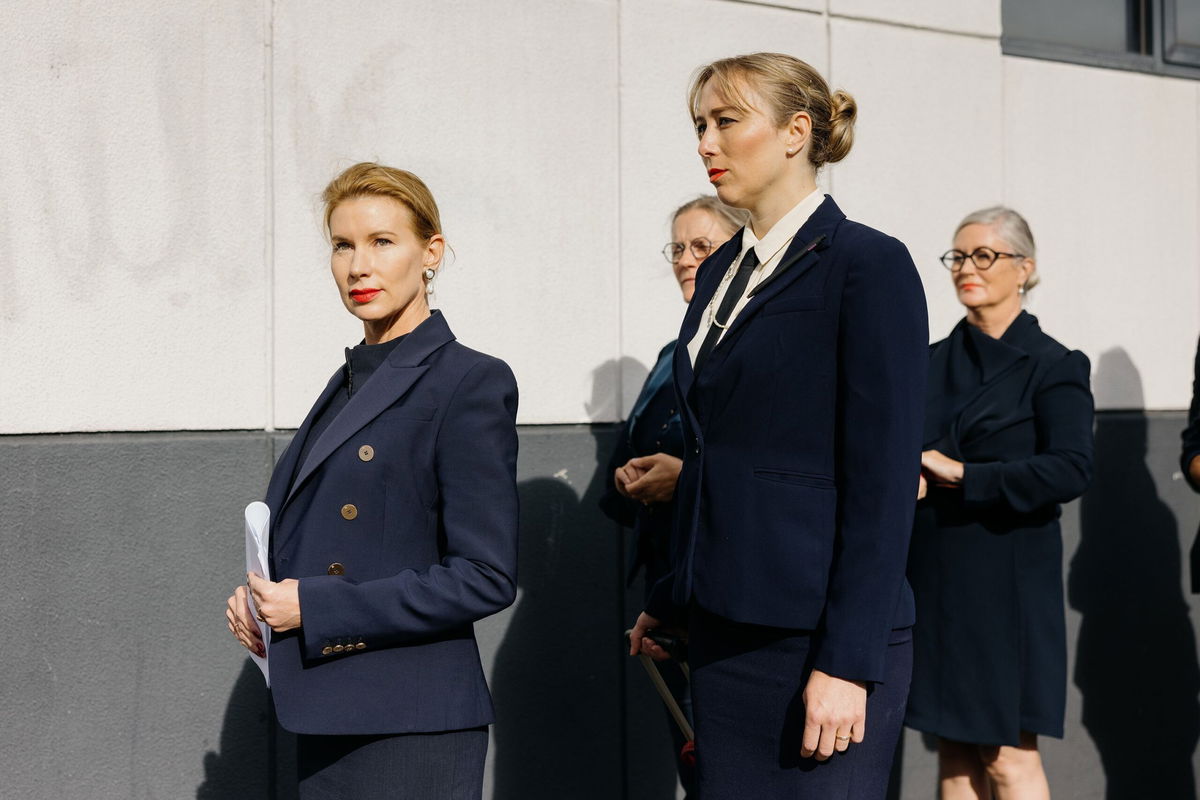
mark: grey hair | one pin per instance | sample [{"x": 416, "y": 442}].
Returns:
[
  {"x": 730, "y": 217},
  {"x": 1012, "y": 228}
]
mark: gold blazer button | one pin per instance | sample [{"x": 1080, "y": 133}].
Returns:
[
  {"x": 336, "y": 568},
  {"x": 326, "y": 650},
  {"x": 349, "y": 511},
  {"x": 360, "y": 646},
  {"x": 337, "y": 648},
  {"x": 366, "y": 452}
]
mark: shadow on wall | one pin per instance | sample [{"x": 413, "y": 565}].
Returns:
[
  {"x": 558, "y": 680},
  {"x": 242, "y": 766},
  {"x": 1136, "y": 655}
]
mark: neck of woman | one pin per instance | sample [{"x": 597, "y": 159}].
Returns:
[
  {"x": 774, "y": 202},
  {"x": 994, "y": 320},
  {"x": 377, "y": 331}
]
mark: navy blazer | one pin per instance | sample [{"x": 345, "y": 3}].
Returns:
[
  {"x": 401, "y": 526},
  {"x": 803, "y": 434}
]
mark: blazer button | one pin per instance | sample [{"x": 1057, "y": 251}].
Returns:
[
  {"x": 366, "y": 452},
  {"x": 349, "y": 511},
  {"x": 337, "y": 648},
  {"x": 360, "y": 646},
  {"x": 336, "y": 568},
  {"x": 326, "y": 650}
]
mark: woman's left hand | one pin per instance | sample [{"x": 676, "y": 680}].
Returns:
[
  {"x": 657, "y": 483},
  {"x": 835, "y": 714},
  {"x": 278, "y": 604},
  {"x": 941, "y": 470}
]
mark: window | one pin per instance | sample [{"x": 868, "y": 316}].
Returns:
[{"x": 1159, "y": 36}]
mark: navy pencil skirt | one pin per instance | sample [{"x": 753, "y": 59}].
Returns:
[
  {"x": 747, "y": 698},
  {"x": 413, "y": 766}
]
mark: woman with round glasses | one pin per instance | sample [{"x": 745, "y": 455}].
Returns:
[
  {"x": 646, "y": 462},
  {"x": 1008, "y": 438}
]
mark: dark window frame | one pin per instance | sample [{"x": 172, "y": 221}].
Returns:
[{"x": 1170, "y": 57}]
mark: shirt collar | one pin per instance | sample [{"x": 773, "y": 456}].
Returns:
[{"x": 783, "y": 230}]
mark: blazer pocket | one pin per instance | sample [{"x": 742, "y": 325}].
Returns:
[
  {"x": 795, "y": 478},
  {"x": 809, "y": 302},
  {"x": 423, "y": 413}
]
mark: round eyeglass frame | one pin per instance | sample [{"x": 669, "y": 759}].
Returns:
[
  {"x": 673, "y": 251},
  {"x": 954, "y": 260}
]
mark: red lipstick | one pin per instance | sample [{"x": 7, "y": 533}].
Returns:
[
  {"x": 363, "y": 295},
  {"x": 715, "y": 174}
]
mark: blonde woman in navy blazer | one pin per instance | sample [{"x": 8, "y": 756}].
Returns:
[
  {"x": 801, "y": 369},
  {"x": 394, "y": 523}
]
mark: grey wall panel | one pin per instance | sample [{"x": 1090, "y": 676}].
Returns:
[{"x": 121, "y": 680}]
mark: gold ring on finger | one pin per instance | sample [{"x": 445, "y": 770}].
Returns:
[{"x": 842, "y": 738}]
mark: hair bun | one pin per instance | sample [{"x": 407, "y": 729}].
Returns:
[{"x": 843, "y": 113}]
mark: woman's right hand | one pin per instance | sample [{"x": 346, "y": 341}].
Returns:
[
  {"x": 640, "y": 642},
  {"x": 922, "y": 486},
  {"x": 241, "y": 624},
  {"x": 625, "y": 475}
]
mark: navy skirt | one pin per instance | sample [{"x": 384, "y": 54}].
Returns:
[
  {"x": 420, "y": 766},
  {"x": 747, "y": 699}
]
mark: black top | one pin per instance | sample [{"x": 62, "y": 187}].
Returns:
[
  {"x": 1191, "y": 434},
  {"x": 361, "y": 363}
]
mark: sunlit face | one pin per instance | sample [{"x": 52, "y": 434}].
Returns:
[
  {"x": 378, "y": 261},
  {"x": 690, "y": 226},
  {"x": 999, "y": 284},
  {"x": 745, "y": 152}
]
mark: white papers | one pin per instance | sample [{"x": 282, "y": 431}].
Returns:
[{"x": 258, "y": 540}]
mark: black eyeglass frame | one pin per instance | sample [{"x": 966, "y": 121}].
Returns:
[
  {"x": 948, "y": 258},
  {"x": 673, "y": 251}
]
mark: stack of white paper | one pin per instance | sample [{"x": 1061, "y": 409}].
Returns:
[{"x": 258, "y": 542}]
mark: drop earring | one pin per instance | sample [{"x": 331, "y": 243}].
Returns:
[
  {"x": 1021, "y": 289},
  {"x": 429, "y": 274}
]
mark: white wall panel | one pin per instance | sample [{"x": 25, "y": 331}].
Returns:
[
  {"x": 662, "y": 44},
  {"x": 966, "y": 16},
  {"x": 928, "y": 142},
  {"x": 509, "y": 112},
  {"x": 1103, "y": 164},
  {"x": 131, "y": 220}
]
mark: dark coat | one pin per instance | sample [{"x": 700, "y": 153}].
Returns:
[
  {"x": 986, "y": 559},
  {"x": 1191, "y": 449},
  {"x": 803, "y": 433},
  {"x": 654, "y": 426},
  {"x": 401, "y": 526}
]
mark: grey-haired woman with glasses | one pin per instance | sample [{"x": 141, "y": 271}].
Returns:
[
  {"x": 1008, "y": 438},
  {"x": 646, "y": 462}
]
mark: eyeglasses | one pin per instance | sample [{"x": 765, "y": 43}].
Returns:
[
  {"x": 701, "y": 249},
  {"x": 981, "y": 257}
]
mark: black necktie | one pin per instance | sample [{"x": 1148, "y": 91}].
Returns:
[{"x": 737, "y": 287}]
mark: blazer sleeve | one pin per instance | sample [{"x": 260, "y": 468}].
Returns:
[
  {"x": 1062, "y": 466},
  {"x": 1191, "y": 434},
  {"x": 883, "y": 357},
  {"x": 475, "y": 463}
]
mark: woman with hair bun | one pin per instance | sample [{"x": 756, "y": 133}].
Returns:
[
  {"x": 393, "y": 523},
  {"x": 801, "y": 374}
]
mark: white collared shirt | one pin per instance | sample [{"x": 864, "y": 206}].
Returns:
[{"x": 770, "y": 250}]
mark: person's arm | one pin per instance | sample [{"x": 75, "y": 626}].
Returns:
[
  {"x": 883, "y": 360},
  {"x": 475, "y": 464},
  {"x": 1189, "y": 460},
  {"x": 1062, "y": 466}
]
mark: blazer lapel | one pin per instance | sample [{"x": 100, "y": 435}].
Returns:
[
  {"x": 389, "y": 383},
  {"x": 708, "y": 278},
  {"x": 281, "y": 475},
  {"x": 802, "y": 255}
]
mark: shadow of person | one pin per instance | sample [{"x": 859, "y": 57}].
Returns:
[
  {"x": 558, "y": 674},
  {"x": 1135, "y": 657},
  {"x": 242, "y": 766}
]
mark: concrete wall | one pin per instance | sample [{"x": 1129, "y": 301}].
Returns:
[
  {"x": 163, "y": 271},
  {"x": 160, "y": 227},
  {"x": 122, "y": 682}
]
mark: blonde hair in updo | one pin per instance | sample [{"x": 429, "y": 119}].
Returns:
[
  {"x": 370, "y": 178},
  {"x": 789, "y": 86}
]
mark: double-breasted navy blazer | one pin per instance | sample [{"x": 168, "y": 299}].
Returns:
[
  {"x": 803, "y": 435},
  {"x": 401, "y": 526}
]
